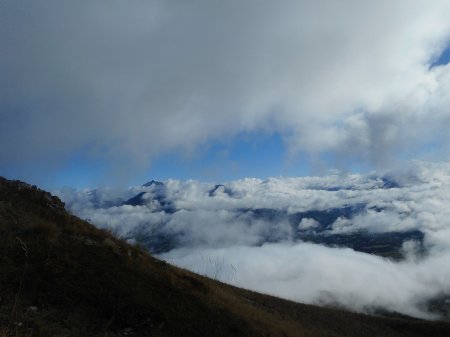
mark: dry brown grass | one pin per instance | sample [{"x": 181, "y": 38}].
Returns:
[{"x": 86, "y": 282}]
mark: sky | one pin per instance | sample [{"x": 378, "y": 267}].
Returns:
[{"x": 117, "y": 93}]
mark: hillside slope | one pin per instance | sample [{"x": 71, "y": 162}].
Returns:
[{"x": 60, "y": 276}]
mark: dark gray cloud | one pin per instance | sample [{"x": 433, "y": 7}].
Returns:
[{"x": 135, "y": 79}]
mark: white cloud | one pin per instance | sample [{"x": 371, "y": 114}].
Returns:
[
  {"x": 315, "y": 274},
  {"x": 307, "y": 224}
]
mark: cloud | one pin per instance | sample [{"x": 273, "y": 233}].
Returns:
[
  {"x": 307, "y": 224},
  {"x": 249, "y": 232},
  {"x": 316, "y": 274},
  {"x": 134, "y": 80}
]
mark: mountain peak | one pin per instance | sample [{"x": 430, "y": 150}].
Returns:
[{"x": 153, "y": 183}]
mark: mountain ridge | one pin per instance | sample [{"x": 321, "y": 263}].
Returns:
[{"x": 61, "y": 276}]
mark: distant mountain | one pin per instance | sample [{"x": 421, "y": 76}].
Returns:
[
  {"x": 137, "y": 200},
  {"x": 61, "y": 276},
  {"x": 155, "y": 193},
  {"x": 153, "y": 183},
  {"x": 219, "y": 188}
]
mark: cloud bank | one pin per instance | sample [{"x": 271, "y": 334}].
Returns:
[
  {"x": 132, "y": 80},
  {"x": 260, "y": 234}
]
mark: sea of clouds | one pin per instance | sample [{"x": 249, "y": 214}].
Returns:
[{"x": 216, "y": 230}]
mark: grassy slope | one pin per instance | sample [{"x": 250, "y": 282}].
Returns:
[{"x": 60, "y": 276}]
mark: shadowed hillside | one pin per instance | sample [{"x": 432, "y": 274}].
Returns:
[{"x": 60, "y": 276}]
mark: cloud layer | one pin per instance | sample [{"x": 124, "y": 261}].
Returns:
[
  {"x": 137, "y": 79},
  {"x": 250, "y": 233}
]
